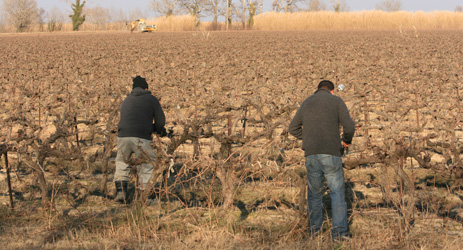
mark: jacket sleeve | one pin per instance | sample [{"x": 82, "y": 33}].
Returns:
[
  {"x": 159, "y": 117},
  {"x": 348, "y": 125},
  {"x": 295, "y": 127}
]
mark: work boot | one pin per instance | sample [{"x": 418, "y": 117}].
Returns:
[{"x": 121, "y": 191}]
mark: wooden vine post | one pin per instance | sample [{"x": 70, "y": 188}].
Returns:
[
  {"x": 110, "y": 141},
  {"x": 365, "y": 114},
  {"x": 225, "y": 169},
  {"x": 417, "y": 108},
  {"x": 7, "y": 166},
  {"x": 229, "y": 133}
]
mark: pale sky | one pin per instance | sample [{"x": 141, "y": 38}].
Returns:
[{"x": 354, "y": 5}]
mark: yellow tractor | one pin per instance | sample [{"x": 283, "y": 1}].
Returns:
[{"x": 142, "y": 26}]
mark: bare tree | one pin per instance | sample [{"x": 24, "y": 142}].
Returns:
[
  {"x": 286, "y": 5},
  {"x": 240, "y": 12},
  {"x": 1, "y": 22},
  {"x": 253, "y": 7},
  {"x": 243, "y": 16},
  {"x": 277, "y": 5},
  {"x": 228, "y": 17},
  {"x": 389, "y": 5},
  {"x": 136, "y": 14},
  {"x": 293, "y": 5},
  {"x": 119, "y": 18},
  {"x": 459, "y": 8},
  {"x": 165, "y": 7},
  {"x": 194, "y": 8},
  {"x": 117, "y": 15},
  {"x": 316, "y": 5},
  {"x": 55, "y": 19},
  {"x": 216, "y": 8},
  {"x": 253, "y": 11},
  {"x": 21, "y": 13},
  {"x": 99, "y": 16},
  {"x": 41, "y": 18},
  {"x": 339, "y": 5}
]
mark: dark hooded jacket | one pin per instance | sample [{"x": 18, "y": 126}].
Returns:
[
  {"x": 317, "y": 123},
  {"x": 138, "y": 112}
]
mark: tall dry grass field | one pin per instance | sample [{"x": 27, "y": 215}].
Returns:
[
  {"x": 325, "y": 20},
  {"x": 174, "y": 23}
]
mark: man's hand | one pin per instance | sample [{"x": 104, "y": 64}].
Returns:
[
  {"x": 345, "y": 148},
  {"x": 345, "y": 145},
  {"x": 162, "y": 132}
]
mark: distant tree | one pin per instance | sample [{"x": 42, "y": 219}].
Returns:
[
  {"x": 252, "y": 7},
  {"x": 339, "y": 5},
  {"x": 287, "y": 5},
  {"x": 99, "y": 16},
  {"x": 389, "y": 5},
  {"x": 77, "y": 17},
  {"x": 240, "y": 12},
  {"x": 1, "y": 23},
  {"x": 228, "y": 14},
  {"x": 117, "y": 15},
  {"x": 316, "y": 5},
  {"x": 243, "y": 16},
  {"x": 118, "y": 18},
  {"x": 277, "y": 5},
  {"x": 136, "y": 14},
  {"x": 293, "y": 5},
  {"x": 55, "y": 19},
  {"x": 20, "y": 13},
  {"x": 252, "y": 10},
  {"x": 41, "y": 19},
  {"x": 194, "y": 8},
  {"x": 165, "y": 7},
  {"x": 459, "y": 8},
  {"x": 216, "y": 8}
]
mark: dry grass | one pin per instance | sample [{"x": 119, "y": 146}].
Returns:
[
  {"x": 174, "y": 23},
  {"x": 100, "y": 223},
  {"x": 325, "y": 20},
  {"x": 264, "y": 220}
]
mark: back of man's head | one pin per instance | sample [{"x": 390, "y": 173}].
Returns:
[{"x": 325, "y": 84}]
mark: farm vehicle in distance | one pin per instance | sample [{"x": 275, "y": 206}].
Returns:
[{"x": 142, "y": 26}]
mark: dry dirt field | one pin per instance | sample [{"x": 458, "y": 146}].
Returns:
[{"x": 236, "y": 178}]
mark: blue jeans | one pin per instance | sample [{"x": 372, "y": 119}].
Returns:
[{"x": 330, "y": 167}]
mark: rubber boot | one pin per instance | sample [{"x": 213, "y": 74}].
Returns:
[{"x": 121, "y": 191}]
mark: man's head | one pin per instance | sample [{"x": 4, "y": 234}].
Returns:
[
  {"x": 139, "y": 82},
  {"x": 325, "y": 84}
]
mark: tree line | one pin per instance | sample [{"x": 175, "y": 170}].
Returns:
[{"x": 23, "y": 14}]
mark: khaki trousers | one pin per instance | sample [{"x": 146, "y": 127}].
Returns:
[{"x": 126, "y": 146}]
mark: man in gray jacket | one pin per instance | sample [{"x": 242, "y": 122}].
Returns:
[
  {"x": 317, "y": 123},
  {"x": 138, "y": 112}
]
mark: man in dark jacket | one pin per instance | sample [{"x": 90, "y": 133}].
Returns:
[
  {"x": 138, "y": 112},
  {"x": 317, "y": 123}
]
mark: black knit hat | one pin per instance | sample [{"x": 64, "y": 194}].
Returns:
[{"x": 139, "y": 82}]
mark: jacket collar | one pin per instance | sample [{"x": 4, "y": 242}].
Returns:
[
  {"x": 139, "y": 91},
  {"x": 321, "y": 91}
]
